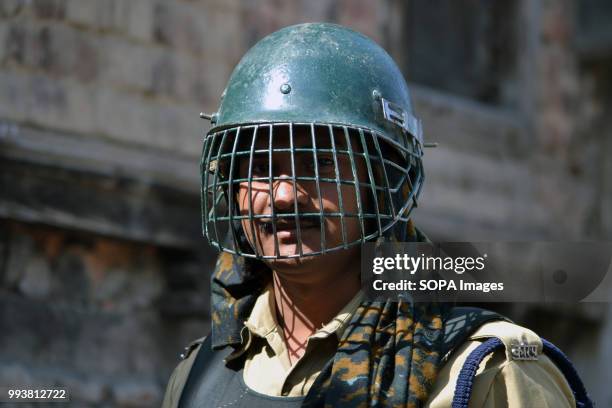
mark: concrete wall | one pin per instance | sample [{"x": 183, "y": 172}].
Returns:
[{"x": 103, "y": 273}]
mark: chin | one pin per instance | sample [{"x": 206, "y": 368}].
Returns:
[{"x": 289, "y": 250}]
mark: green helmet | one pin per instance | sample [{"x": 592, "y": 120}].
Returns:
[{"x": 349, "y": 97}]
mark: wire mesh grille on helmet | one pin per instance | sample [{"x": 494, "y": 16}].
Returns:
[{"x": 286, "y": 190}]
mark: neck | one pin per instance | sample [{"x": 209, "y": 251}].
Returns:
[{"x": 305, "y": 306}]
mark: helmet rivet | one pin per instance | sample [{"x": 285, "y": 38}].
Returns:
[
  {"x": 376, "y": 94},
  {"x": 285, "y": 88}
]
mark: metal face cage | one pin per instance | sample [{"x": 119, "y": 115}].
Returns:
[{"x": 270, "y": 190}]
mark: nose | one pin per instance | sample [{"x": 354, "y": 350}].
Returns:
[{"x": 286, "y": 194}]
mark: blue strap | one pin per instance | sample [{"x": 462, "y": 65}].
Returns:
[
  {"x": 465, "y": 382},
  {"x": 571, "y": 375},
  {"x": 463, "y": 389}
]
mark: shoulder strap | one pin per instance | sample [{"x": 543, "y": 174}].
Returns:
[
  {"x": 463, "y": 389},
  {"x": 465, "y": 382},
  {"x": 571, "y": 375}
]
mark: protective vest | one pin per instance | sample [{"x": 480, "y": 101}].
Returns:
[{"x": 212, "y": 383}]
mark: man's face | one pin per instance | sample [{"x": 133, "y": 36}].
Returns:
[{"x": 284, "y": 196}]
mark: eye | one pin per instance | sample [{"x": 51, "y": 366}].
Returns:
[
  {"x": 324, "y": 164},
  {"x": 260, "y": 168}
]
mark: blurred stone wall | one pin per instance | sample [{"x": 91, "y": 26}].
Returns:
[{"x": 103, "y": 271}]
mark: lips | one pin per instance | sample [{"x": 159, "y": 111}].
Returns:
[{"x": 266, "y": 226}]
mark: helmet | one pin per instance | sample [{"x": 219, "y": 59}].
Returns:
[{"x": 349, "y": 97}]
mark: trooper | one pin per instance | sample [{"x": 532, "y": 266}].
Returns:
[{"x": 314, "y": 151}]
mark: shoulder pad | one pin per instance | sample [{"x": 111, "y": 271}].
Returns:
[
  {"x": 520, "y": 343},
  {"x": 191, "y": 347}
]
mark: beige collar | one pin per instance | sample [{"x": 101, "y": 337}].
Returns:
[{"x": 262, "y": 320}]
